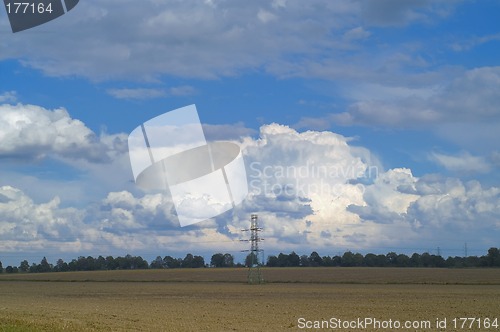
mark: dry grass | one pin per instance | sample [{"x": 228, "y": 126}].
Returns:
[
  {"x": 208, "y": 302},
  {"x": 280, "y": 275}
]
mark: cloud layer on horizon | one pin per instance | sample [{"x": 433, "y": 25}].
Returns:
[{"x": 313, "y": 191}]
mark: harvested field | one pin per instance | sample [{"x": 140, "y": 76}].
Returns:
[{"x": 219, "y": 300}]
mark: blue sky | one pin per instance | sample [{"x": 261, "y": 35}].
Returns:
[{"x": 409, "y": 88}]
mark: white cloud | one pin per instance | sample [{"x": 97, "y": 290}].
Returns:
[
  {"x": 139, "y": 93},
  {"x": 398, "y": 13},
  {"x": 454, "y": 205},
  {"x": 202, "y": 39},
  {"x": 472, "y": 97},
  {"x": 463, "y": 162},
  {"x": 312, "y": 190},
  {"x": 23, "y": 220},
  {"x": 8, "y": 97},
  {"x": 471, "y": 43},
  {"x": 33, "y": 132},
  {"x": 357, "y": 33},
  {"x": 150, "y": 93}
]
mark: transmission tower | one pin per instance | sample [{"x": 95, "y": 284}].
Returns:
[{"x": 254, "y": 273}]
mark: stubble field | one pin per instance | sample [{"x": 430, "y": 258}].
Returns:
[{"x": 220, "y": 300}]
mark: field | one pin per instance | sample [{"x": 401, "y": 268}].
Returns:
[{"x": 220, "y": 300}]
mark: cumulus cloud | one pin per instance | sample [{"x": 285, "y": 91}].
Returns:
[
  {"x": 472, "y": 97},
  {"x": 463, "y": 162},
  {"x": 203, "y": 39},
  {"x": 33, "y": 132},
  {"x": 453, "y": 205},
  {"x": 8, "y": 97},
  {"x": 311, "y": 190},
  {"x": 21, "y": 219}
]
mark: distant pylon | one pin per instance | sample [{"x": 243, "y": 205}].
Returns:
[{"x": 254, "y": 273}]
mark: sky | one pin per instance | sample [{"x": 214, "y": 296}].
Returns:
[{"x": 369, "y": 126}]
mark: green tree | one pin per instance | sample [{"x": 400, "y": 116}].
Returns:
[
  {"x": 44, "y": 265},
  {"x": 171, "y": 263},
  {"x": 217, "y": 260},
  {"x": 370, "y": 260},
  {"x": 304, "y": 261},
  {"x": 493, "y": 257},
  {"x": 272, "y": 261},
  {"x": 24, "y": 266},
  {"x": 198, "y": 261},
  {"x": 327, "y": 261},
  {"x": 157, "y": 263},
  {"x": 392, "y": 258},
  {"x": 61, "y": 266},
  {"x": 1, "y": 267},
  {"x": 415, "y": 260},
  {"x": 402, "y": 260},
  {"x": 347, "y": 259},
  {"x": 187, "y": 261},
  {"x": 228, "y": 260},
  {"x": 251, "y": 260},
  {"x": 282, "y": 260},
  {"x": 293, "y": 259},
  {"x": 315, "y": 259}
]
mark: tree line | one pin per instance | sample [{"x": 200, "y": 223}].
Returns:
[
  {"x": 220, "y": 260},
  {"x": 391, "y": 259}
]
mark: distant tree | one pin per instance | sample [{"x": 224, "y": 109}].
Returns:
[
  {"x": 347, "y": 259},
  {"x": 33, "y": 268},
  {"x": 100, "y": 263},
  {"x": 61, "y": 266},
  {"x": 370, "y": 260},
  {"x": 391, "y": 258},
  {"x": 483, "y": 261},
  {"x": 138, "y": 263},
  {"x": 472, "y": 261},
  {"x": 493, "y": 257},
  {"x": 217, "y": 260},
  {"x": 437, "y": 261},
  {"x": 315, "y": 259},
  {"x": 228, "y": 260},
  {"x": 44, "y": 265},
  {"x": 1, "y": 267},
  {"x": 171, "y": 263},
  {"x": 157, "y": 263},
  {"x": 282, "y": 260},
  {"x": 358, "y": 259},
  {"x": 251, "y": 260},
  {"x": 10, "y": 269},
  {"x": 24, "y": 266},
  {"x": 327, "y": 261},
  {"x": 272, "y": 261},
  {"x": 111, "y": 264},
  {"x": 402, "y": 260},
  {"x": 304, "y": 261},
  {"x": 187, "y": 261},
  {"x": 198, "y": 261},
  {"x": 415, "y": 260},
  {"x": 336, "y": 260},
  {"x": 293, "y": 259}
]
